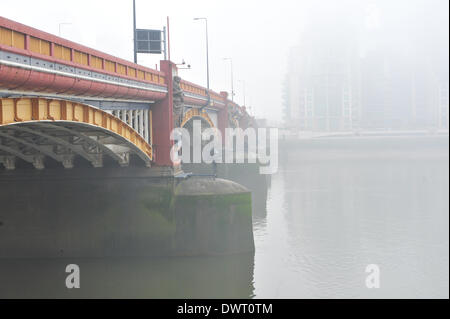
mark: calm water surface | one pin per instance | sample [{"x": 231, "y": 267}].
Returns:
[
  {"x": 338, "y": 205},
  {"x": 334, "y": 207}
]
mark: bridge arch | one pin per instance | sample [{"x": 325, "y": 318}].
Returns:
[
  {"x": 196, "y": 113},
  {"x": 32, "y": 129}
]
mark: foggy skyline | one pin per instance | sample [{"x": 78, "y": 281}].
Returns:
[{"x": 362, "y": 65}]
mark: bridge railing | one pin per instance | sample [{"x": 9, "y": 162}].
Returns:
[{"x": 198, "y": 92}]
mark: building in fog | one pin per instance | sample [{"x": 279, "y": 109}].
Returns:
[
  {"x": 321, "y": 90},
  {"x": 348, "y": 74}
]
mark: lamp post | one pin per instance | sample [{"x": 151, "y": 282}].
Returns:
[
  {"x": 134, "y": 32},
  {"x": 232, "y": 80},
  {"x": 207, "y": 54}
]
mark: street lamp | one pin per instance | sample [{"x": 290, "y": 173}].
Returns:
[
  {"x": 134, "y": 33},
  {"x": 232, "y": 81},
  {"x": 207, "y": 54}
]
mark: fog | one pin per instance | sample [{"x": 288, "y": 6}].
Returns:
[
  {"x": 370, "y": 65},
  {"x": 359, "y": 92},
  {"x": 258, "y": 36}
]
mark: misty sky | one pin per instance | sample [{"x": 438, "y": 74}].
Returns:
[{"x": 256, "y": 34}]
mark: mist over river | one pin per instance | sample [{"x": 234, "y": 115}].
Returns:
[{"x": 340, "y": 204}]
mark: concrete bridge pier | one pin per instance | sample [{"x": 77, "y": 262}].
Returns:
[{"x": 119, "y": 213}]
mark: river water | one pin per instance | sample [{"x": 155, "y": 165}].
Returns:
[
  {"x": 338, "y": 205},
  {"x": 334, "y": 207}
]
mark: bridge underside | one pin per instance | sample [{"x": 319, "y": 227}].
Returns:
[
  {"x": 193, "y": 114},
  {"x": 76, "y": 135}
]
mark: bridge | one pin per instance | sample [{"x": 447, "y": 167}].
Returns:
[{"x": 63, "y": 104}]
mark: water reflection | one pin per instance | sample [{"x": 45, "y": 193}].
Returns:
[
  {"x": 206, "y": 277},
  {"x": 338, "y": 205}
]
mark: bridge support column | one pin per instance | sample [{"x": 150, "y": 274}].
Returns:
[{"x": 162, "y": 127}]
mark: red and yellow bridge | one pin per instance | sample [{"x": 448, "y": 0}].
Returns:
[{"x": 62, "y": 103}]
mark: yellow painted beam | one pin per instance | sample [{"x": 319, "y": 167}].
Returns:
[{"x": 22, "y": 110}]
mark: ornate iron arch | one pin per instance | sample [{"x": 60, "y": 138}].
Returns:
[{"x": 34, "y": 128}]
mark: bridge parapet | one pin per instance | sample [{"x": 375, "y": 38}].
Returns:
[
  {"x": 33, "y": 60},
  {"x": 198, "y": 96}
]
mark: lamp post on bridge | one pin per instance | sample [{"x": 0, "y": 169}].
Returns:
[
  {"x": 232, "y": 80},
  {"x": 207, "y": 56},
  {"x": 134, "y": 32}
]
